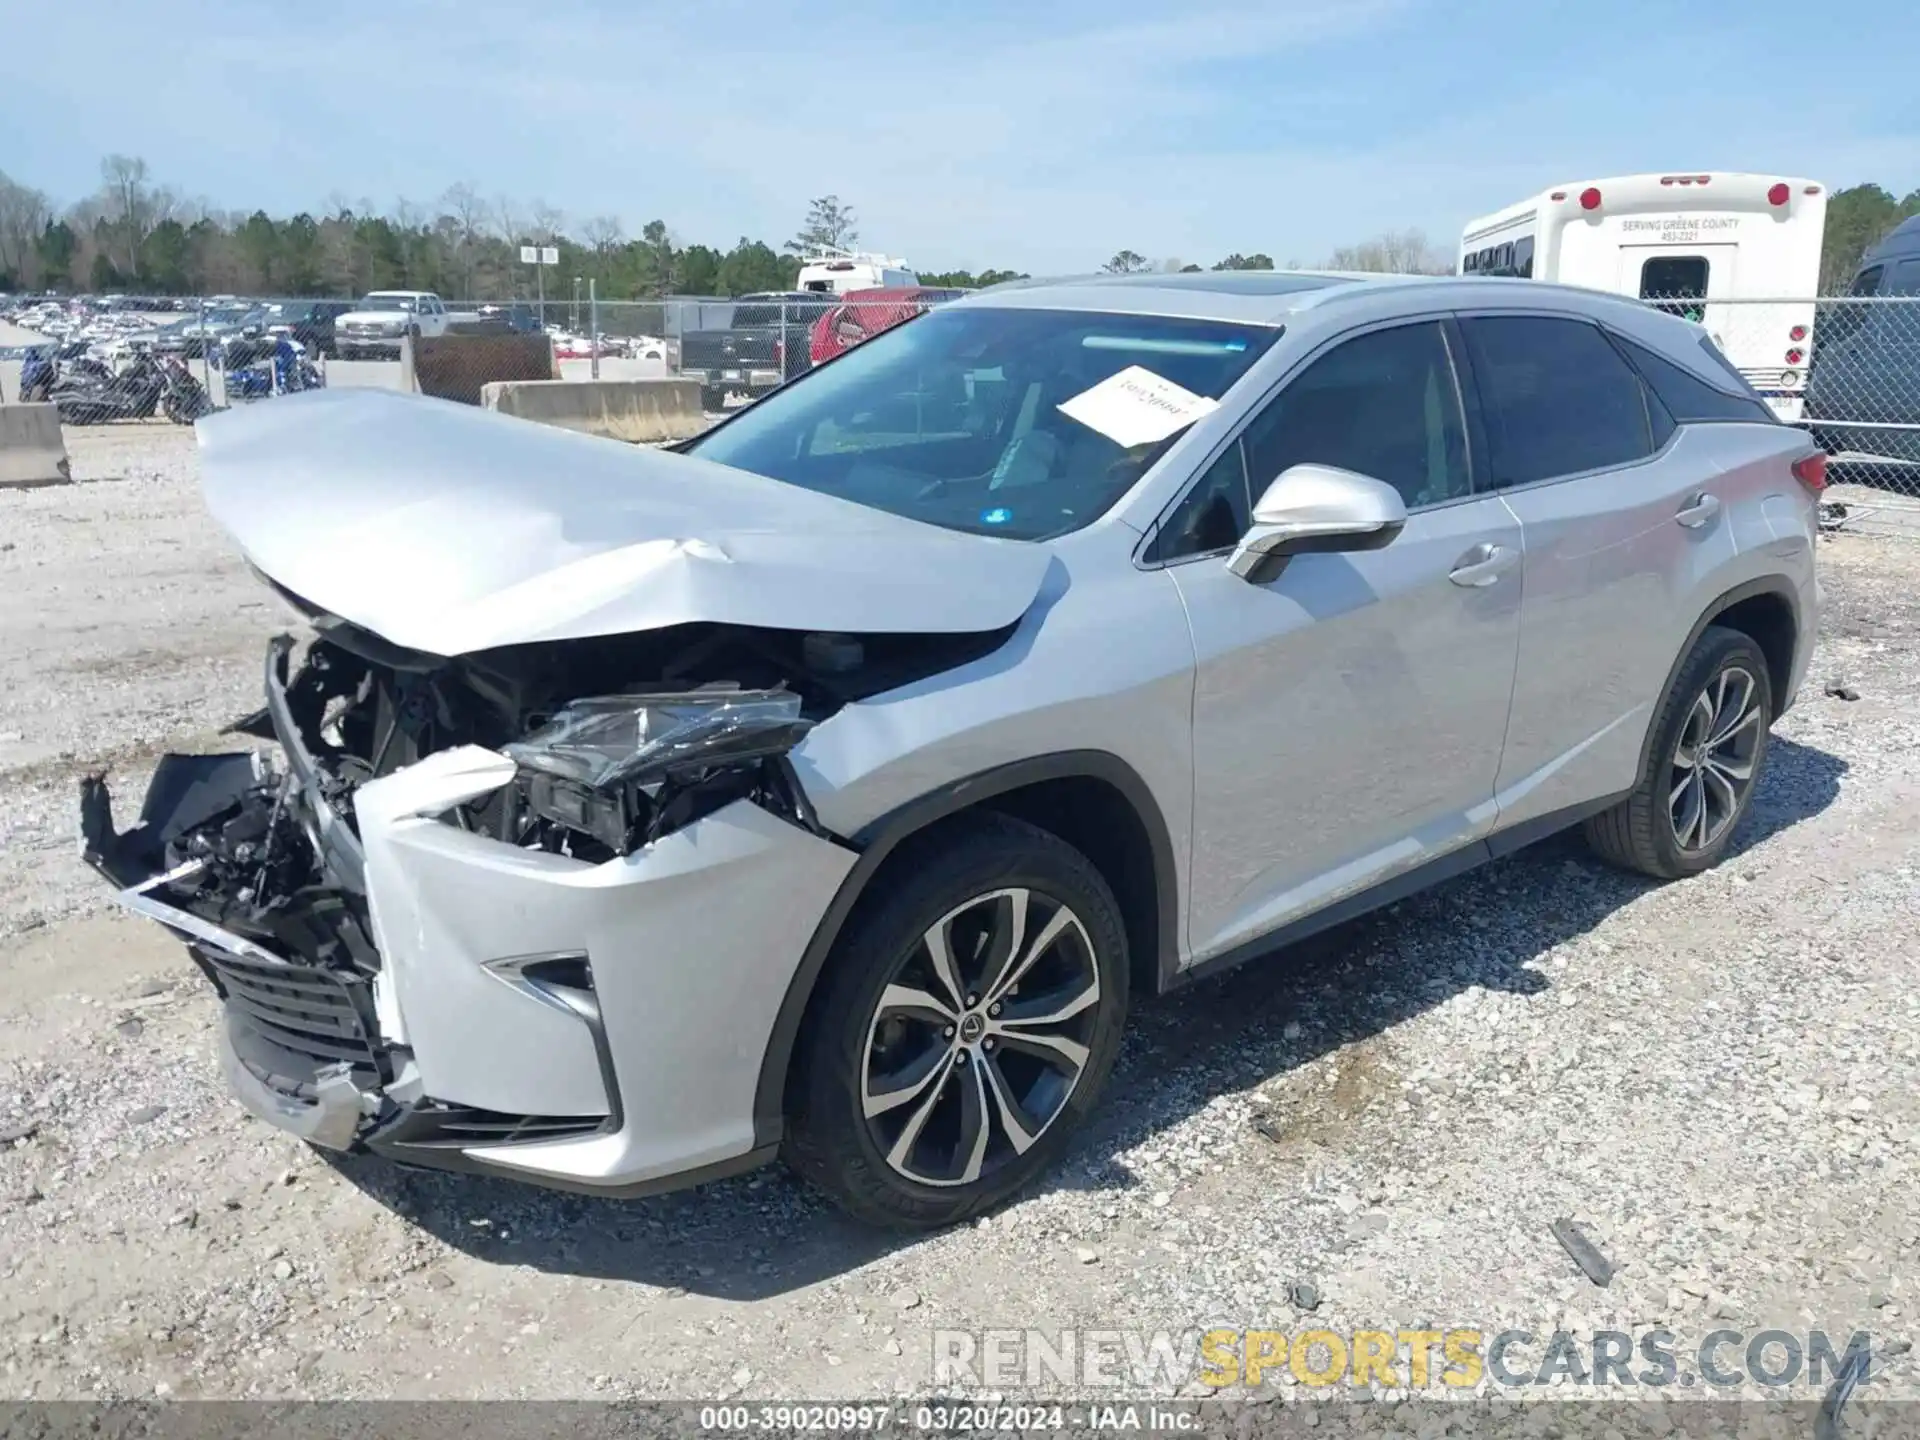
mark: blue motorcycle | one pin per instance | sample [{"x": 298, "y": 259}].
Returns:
[{"x": 284, "y": 371}]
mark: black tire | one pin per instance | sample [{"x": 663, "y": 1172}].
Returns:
[
  {"x": 830, "y": 1141},
  {"x": 1643, "y": 832}
]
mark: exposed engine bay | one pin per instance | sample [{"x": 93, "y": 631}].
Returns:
[{"x": 618, "y": 741}]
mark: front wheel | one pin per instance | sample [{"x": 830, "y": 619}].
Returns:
[
  {"x": 963, "y": 1030},
  {"x": 1709, "y": 742}
]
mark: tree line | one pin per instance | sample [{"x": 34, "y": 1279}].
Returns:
[{"x": 135, "y": 235}]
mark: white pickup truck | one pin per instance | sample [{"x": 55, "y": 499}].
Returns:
[{"x": 380, "y": 321}]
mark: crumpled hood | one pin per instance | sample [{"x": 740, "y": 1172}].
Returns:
[{"x": 449, "y": 529}]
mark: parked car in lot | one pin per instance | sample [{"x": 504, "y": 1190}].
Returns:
[
  {"x": 206, "y": 333},
  {"x": 380, "y": 321},
  {"x": 514, "y": 319},
  {"x": 862, "y": 314},
  {"x": 310, "y": 322},
  {"x": 1865, "y": 384},
  {"x": 764, "y": 345},
  {"x": 831, "y": 787}
]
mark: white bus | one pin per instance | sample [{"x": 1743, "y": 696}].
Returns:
[
  {"x": 1740, "y": 254},
  {"x": 835, "y": 272}
]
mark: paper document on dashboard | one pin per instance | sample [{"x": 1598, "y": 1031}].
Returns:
[{"x": 1137, "y": 407}]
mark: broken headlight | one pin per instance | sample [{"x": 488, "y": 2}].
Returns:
[{"x": 625, "y": 768}]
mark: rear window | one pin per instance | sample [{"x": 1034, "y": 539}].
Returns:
[
  {"x": 1558, "y": 399},
  {"x": 1689, "y": 398}
]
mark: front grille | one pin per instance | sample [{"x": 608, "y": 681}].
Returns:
[
  {"x": 313, "y": 1015},
  {"x": 439, "y": 1126}
]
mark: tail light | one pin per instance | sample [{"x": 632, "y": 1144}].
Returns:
[
  {"x": 1590, "y": 198},
  {"x": 1811, "y": 471},
  {"x": 1794, "y": 357},
  {"x": 1797, "y": 334},
  {"x": 1778, "y": 194}
]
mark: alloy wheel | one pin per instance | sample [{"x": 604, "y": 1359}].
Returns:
[
  {"x": 1713, "y": 759},
  {"x": 980, "y": 1037}
]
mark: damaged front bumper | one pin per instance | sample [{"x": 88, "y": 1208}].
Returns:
[{"x": 449, "y": 1000}]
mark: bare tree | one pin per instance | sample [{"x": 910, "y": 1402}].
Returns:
[
  {"x": 1402, "y": 252},
  {"x": 602, "y": 232},
  {"x": 830, "y": 225},
  {"x": 127, "y": 203},
  {"x": 463, "y": 206},
  {"x": 510, "y": 219},
  {"x": 24, "y": 214},
  {"x": 546, "y": 222}
]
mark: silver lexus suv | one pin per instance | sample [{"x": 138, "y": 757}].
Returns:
[{"x": 620, "y": 819}]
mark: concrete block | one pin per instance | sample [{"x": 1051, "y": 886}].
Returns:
[
  {"x": 637, "y": 411},
  {"x": 32, "y": 449}
]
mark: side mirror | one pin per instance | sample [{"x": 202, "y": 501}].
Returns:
[{"x": 1316, "y": 508}]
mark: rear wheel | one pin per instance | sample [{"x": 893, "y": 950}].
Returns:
[
  {"x": 964, "y": 1028},
  {"x": 1709, "y": 742}
]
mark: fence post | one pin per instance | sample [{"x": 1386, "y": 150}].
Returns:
[
  {"x": 780, "y": 350},
  {"x": 206, "y": 376},
  {"x": 593, "y": 322}
]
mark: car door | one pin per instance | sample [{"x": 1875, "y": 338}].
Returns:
[
  {"x": 1348, "y": 715},
  {"x": 1609, "y": 527}
]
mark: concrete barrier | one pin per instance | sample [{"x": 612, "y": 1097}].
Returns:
[
  {"x": 32, "y": 450},
  {"x": 637, "y": 411},
  {"x": 454, "y": 367}
]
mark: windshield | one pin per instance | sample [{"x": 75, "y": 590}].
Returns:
[
  {"x": 954, "y": 418},
  {"x": 387, "y": 302}
]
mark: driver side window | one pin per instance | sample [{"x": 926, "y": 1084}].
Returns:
[{"x": 1384, "y": 404}]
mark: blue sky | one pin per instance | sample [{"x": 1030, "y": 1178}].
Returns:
[{"x": 1042, "y": 136}]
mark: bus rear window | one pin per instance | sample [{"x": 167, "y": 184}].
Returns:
[{"x": 1676, "y": 283}]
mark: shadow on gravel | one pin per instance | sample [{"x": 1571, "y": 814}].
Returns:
[{"x": 764, "y": 1234}]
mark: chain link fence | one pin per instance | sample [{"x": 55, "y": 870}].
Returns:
[{"x": 1846, "y": 369}]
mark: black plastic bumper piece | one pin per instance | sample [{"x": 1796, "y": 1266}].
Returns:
[{"x": 187, "y": 791}]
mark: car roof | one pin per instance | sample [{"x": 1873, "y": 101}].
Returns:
[
  {"x": 1270, "y": 297},
  {"x": 1902, "y": 240}
]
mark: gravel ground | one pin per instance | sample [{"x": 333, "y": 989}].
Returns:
[{"x": 1716, "y": 1078}]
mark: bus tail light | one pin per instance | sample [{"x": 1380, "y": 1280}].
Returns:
[
  {"x": 1794, "y": 357},
  {"x": 1779, "y": 194},
  {"x": 1797, "y": 333},
  {"x": 1811, "y": 471},
  {"x": 1590, "y": 199}
]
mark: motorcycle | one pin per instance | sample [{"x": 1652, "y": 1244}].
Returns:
[
  {"x": 287, "y": 370},
  {"x": 88, "y": 393},
  {"x": 38, "y": 370},
  {"x": 183, "y": 399}
]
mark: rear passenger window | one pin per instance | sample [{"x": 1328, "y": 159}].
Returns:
[
  {"x": 1687, "y": 397},
  {"x": 1558, "y": 399}
]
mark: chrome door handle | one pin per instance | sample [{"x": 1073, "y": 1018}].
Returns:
[
  {"x": 1483, "y": 564},
  {"x": 1699, "y": 510}
]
